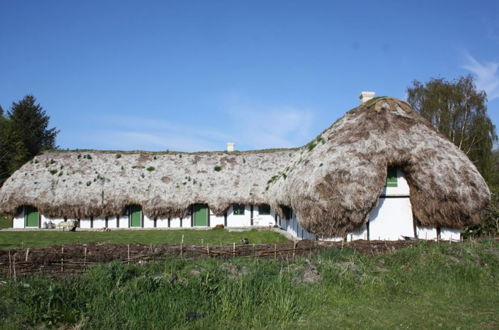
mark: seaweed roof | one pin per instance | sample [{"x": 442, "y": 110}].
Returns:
[{"x": 332, "y": 183}]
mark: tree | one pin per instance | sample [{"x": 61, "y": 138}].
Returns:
[
  {"x": 459, "y": 111},
  {"x": 24, "y": 133}
]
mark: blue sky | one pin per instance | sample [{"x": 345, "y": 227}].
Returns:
[{"x": 193, "y": 75}]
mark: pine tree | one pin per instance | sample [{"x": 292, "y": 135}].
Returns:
[{"x": 24, "y": 133}]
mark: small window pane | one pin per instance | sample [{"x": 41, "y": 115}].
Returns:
[
  {"x": 264, "y": 209},
  {"x": 238, "y": 209},
  {"x": 391, "y": 178}
]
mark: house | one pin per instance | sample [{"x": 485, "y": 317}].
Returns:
[{"x": 379, "y": 172}]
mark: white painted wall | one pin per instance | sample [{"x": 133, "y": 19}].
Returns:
[
  {"x": 162, "y": 223},
  {"x": 234, "y": 220},
  {"x": 402, "y": 188},
  {"x": 175, "y": 222},
  {"x": 18, "y": 221},
  {"x": 111, "y": 222},
  {"x": 147, "y": 222},
  {"x": 264, "y": 220},
  {"x": 85, "y": 223},
  {"x": 216, "y": 219},
  {"x": 123, "y": 221},
  {"x": 46, "y": 221},
  {"x": 99, "y": 223},
  {"x": 391, "y": 219},
  {"x": 426, "y": 233},
  {"x": 292, "y": 226},
  {"x": 449, "y": 234}
]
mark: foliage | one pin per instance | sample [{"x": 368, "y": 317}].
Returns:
[
  {"x": 22, "y": 239},
  {"x": 24, "y": 133},
  {"x": 5, "y": 223},
  {"x": 490, "y": 219},
  {"x": 459, "y": 111},
  {"x": 426, "y": 286}
]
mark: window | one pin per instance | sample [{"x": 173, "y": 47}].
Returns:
[
  {"x": 264, "y": 209},
  {"x": 391, "y": 177},
  {"x": 238, "y": 209}
]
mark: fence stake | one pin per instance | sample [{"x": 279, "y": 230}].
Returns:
[
  {"x": 62, "y": 259},
  {"x": 14, "y": 266},
  {"x": 275, "y": 251},
  {"x": 27, "y": 253},
  {"x": 182, "y": 247},
  {"x": 208, "y": 249},
  {"x": 85, "y": 257},
  {"x": 233, "y": 249},
  {"x": 254, "y": 252},
  {"x": 294, "y": 249},
  {"x": 128, "y": 254},
  {"x": 10, "y": 265}
]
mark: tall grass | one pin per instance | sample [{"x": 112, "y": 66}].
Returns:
[{"x": 425, "y": 286}]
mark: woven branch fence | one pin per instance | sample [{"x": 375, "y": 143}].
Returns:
[{"x": 77, "y": 258}]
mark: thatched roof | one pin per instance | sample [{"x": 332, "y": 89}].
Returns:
[{"x": 332, "y": 183}]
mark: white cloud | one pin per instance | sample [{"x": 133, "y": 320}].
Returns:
[
  {"x": 249, "y": 126},
  {"x": 487, "y": 75},
  {"x": 258, "y": 127}
]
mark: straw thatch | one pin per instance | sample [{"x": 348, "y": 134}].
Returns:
[{"x": 331, "y": 184}]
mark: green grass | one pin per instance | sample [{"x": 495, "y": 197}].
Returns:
[
  {"x": 427, "y": 286},
  {"x": 23, "y": 239},
  {"x": 5, "y": 223}
]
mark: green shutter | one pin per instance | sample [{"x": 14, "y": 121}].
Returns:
[
  {"x": 32, "y": 217},
  {"x": 135, "y": 216},
  {"x": 391, "y": 178},
  {"x": 200, "y": 214}
]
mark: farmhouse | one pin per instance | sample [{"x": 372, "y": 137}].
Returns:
[{"x": 379, "y": 172}]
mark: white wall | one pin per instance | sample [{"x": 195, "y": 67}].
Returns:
[
  {"x": 123, "y": 221},
  {"x": 46, "y": 221},
  {"x": 426, "y": 233},
  {"x": 216, "y": 219},
  {"x": 111, "y": 221},
  {"x": 391, "y": 219},
  {"x": 162, "y": 223},
  {"x": 264, "y": 220},
  {"x": 147, "y": 222},
  {"x": 292, "y": 226},
  {"x": 85, "y": 223},
  {"x": 234, "y": 220},
  {"x": 402, "y": 188},
  {"x": 449, "y": 234},
  {"x": 18, "y": 221}
]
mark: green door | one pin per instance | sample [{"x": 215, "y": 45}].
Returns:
[
  {"x": 200, "y": 213},
  {"x": 135, "y": 216},
  {"x": 32, "y": 217}
]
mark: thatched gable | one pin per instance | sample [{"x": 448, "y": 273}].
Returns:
[{"x": 332, "y": 183}]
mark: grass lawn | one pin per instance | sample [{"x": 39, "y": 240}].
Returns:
[
  {"x": 427, "y": 286},
  {"x": 23, "y": 239},
  {"x": 5, "y": 223}
]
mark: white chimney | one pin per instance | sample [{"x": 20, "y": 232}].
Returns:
[
  {"x": 366, "y": 96},
  {"x": 230, "y": 146}
]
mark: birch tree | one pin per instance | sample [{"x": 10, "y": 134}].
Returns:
[{"x": 459, "y": 111}]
